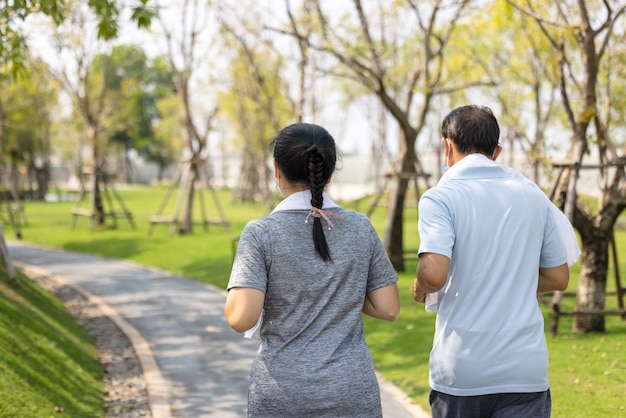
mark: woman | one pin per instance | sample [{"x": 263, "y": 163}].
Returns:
[{"x": 310, "y": 268}]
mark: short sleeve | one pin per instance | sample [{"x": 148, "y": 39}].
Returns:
[
  {"x": 552, "y": 250},
  {"x": 249, "y": 267},
  {"x": 435, "y": 226},
  {"x": 381, "y": 271}
]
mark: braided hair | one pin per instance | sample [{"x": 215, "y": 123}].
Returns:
[{"x": 306, "y": 154}]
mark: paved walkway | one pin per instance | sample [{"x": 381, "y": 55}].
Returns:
[{"x": 195, "y": 365}]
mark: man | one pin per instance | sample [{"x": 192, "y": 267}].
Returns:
[{"x": 488, "y": 244}]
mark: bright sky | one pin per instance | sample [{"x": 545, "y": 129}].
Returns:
[{"x": 354, "y": 126}]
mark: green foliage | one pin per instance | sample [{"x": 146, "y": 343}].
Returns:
[
  {"x": 586, "y": 371},
  {"x": 256, "y": 106},
  {"x": 256, "y": 90},
  {"x": 516, "y": 61},
  {"x": 48, "y": 364},
  {"x": 13, "y": 47},
  {"x": 27, "y": 106},
  {"x": 135, "y": 87},
  {"x": 169, "y": 141}
]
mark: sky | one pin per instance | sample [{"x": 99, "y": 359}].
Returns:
[
  {"x": 354, "y": 126},
  {"x": 348, "y": 124}
]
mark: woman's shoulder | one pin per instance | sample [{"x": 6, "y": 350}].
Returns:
[
  {"x": 258, "y": 225},
  {"x": 354, "y": 217},
  {"x": 353, "y": 214}
]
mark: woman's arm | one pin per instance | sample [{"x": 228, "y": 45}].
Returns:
[
  {"x": 243, "y": 307},
  {"x": 383, "y": 303}
]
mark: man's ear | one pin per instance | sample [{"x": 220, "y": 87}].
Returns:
[
  {"x": 496, "y": 152},
  {"x": 446, "y": 146},
  {"x": 276, "y": 170}
]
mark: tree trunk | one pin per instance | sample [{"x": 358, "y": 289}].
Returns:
[
  {"x": 96, "y": 196},
  {"x": 394, "y": 230},
  {"x": 42, "y": 178},
  {"x": 3, "y": 120},
  {"x": 591, "y": 293},
  {"x": 98, "y": 173},
  {"x": 186, "y": 226},
  {"x": 128, "y": 165},
  {"x": 249, "y": 183}
]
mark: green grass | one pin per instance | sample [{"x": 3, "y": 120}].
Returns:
[
  {"x": 587, "y": 372},
  {"x": 48, "y": 364}
]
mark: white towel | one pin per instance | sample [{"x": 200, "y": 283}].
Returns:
[
  {"x": 254, "y": 333},
  {"x": 563, "y": 225}
]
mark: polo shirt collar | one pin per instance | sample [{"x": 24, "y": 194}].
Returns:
[{"x": 459, "y": 169}]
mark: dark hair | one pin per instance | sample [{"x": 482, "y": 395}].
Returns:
[
  {"x": 472, "y": 129},
  {"x": 305, "y": 153}
]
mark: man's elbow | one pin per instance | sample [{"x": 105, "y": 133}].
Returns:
[
  {"x": 554, "y": 279},
  {"x": 430, "y": 283},
  {"x": 562, "y": 284},
  {"x": 563, "y": 280},
  {"x": 434, "y": 284}
]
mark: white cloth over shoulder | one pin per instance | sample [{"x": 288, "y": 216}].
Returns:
[{"x": 564, "y": 226}]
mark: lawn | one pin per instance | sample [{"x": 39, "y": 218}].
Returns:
[
  {"x": 588, "y": 372},
  {"x": 48, "y": 364}
]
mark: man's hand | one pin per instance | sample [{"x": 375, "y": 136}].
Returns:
[
  {"x": 418, "y": 296},
  {"x": 431, "y": 275}
]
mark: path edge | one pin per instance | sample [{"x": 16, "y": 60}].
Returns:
[
  {"x": 396, "y": 393},
  {"x": 157, "y": 386}
]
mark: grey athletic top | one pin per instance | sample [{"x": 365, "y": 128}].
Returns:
[{"x": 313, "y": 359}]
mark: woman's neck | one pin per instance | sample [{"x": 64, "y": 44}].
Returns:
[{"x": 287, "y": 188}]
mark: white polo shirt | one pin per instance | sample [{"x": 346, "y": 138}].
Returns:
[{"x": 497, "y": 232}]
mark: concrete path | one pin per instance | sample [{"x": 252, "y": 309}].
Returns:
[{"x": 195, "y": 365}]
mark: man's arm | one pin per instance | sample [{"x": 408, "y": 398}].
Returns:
[
  {"x": 432, "y": 273},
  {"x": 554, "y": 278}
]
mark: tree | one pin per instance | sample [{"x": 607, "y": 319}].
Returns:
[
  {"x": 136, "y": 86},
  {"x": 257, "y": 103},
  {"x": 397, "y": 54},
  {"x": 256, "y": 110},
  {"x": 159, "y": 81},
  {"x": 580, "y": 35},
  {"x": 26, "y": 108},
  {"x": 518, "y": 60},
  {"x": 14, "y": 45},
  {"x": 123, "y": 69},
  {"x": 169, "y": 141},
  {"x": 13, "y": 41},
  {"x": 84, "y": 78},
  {"x": 186, "y": 52}
]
